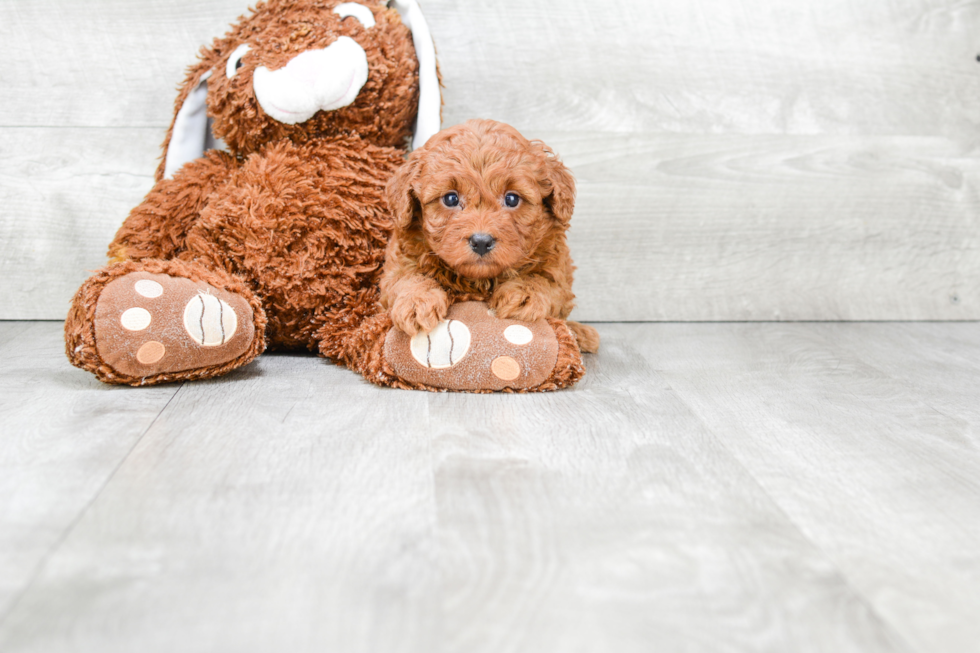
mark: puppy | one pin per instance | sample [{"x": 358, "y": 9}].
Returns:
[{"x": 480, "y": 213}]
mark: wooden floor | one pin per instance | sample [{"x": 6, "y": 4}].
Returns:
[{"x": 708, "y": 487}]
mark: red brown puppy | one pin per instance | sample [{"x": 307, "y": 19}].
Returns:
[{"x": 481, "y": 213}]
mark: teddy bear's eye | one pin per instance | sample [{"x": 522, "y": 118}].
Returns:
[
  {"x": 512, "y": 199},
  {"x": 360, "y": 12},
  {"x": 235, "y": 60},
  {"x": 451, "y": 199}
]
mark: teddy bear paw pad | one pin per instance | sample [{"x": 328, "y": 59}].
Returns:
[
  {"x": 442, "y": 347},
  {"x": 474, "y": 350},
  {"x": 147, "y": 324}
]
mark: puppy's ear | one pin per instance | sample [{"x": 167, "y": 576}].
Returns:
[
  {"x": 403, "y": 202},
  {"x": 561, "y": 199}
]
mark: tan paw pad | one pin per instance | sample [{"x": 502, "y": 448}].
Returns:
[
  {"x": 505, "y": 368},
  {"x": 147, "y": 324},
  {"x": 474, "y": 350},
  {"x": 151, "y": 352}
]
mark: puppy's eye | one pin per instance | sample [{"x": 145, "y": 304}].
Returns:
[
  {"x": 451, "y": 199},
  {"x": 235, "y": 60},
  {"x": 360, "y": 12},
  {"x": 512, "y": 199}
]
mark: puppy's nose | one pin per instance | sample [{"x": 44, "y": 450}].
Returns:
[{"x": 482, "y": 243}]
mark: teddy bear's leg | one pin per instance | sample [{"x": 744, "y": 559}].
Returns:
[
  {"x": 472, "y": 350},
  {"x": 158, "y": 226},
  {"x": 152, "y": 321}
]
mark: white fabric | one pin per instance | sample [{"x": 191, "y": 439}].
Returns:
[
  {"x": 313, "y": 81},
  {"x": 442, "y": 347},
  {"x": 430, "y": 101},
  {"x": 192, "y": 131},
  {"x": 518, "y": 335},
  {"x": 209, "y": 321},
  {"x": 135, "y": 319},
  {"x": 360, "y": 12},
  {"x": 232, "y": 66},
  {"x": 316, "y": 80}
]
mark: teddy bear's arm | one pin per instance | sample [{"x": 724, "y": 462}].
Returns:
[{"x": 158, "y": 227}]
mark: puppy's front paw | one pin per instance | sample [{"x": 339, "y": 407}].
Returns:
[
  {"x": 420, "y": 311},
  {"x": 518, "y": 302}
]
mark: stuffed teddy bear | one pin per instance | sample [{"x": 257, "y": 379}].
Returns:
[{"x": 267, "y": 225}]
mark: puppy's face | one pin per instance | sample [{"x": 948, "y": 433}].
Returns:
[
  {"x": 485, "y": 197},
  {"x": 485, "y": 216}
]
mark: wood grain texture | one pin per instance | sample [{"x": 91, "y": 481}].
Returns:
[
  {"x": 939, "y": 364},
  {"x": 608, "y": 518},
  {"x": 841, "y": 67},
  {"x": 707, "y": 487},
  {"x": 666, "y": 228},
  {"x": 62, "y": 437},
  {"x": 862, "y": 462},
  {"x": 704, "y": 228},
  {"x": 736, "y": 161},
  {"x": 714, "y": 66},
  {"x": 64, "y": 194},
  {"x": 101, "y": 64},
  {"x": 11, "y": 330},
  {"x": 283, "y": 501}
]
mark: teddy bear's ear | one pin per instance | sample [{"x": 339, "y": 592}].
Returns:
[
  {"x": 403, "y": 202},
  {"x": 430, "y": 100},
  {"x": 561, "y": 200},
  {"x": 190, "y": 134}
]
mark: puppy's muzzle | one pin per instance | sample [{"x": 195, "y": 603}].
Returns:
[{"x": 482, "y": 243}]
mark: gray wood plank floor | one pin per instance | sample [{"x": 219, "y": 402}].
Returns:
[{"x": 707, "y": 487}]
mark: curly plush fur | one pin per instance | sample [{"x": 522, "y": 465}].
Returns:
[
  {"x": 287, "y": 230},
  {"x": 430, "y": 262},
  {"x": 294, "y": 212},
  {"x": 278, "y": 30},
  {"x": 80, "y": 337},
  {"x": 366, "y": 345}
]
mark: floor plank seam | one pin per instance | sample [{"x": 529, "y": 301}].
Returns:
[
  {"x": 913, "y": 390},
  {"x": 12, "y": 606},
  {"x": 897, "y": 635},
  {"x": 437, "y": 530},
  {"x": 665, "y": 377},
  {"x": 17, "y": 333}
]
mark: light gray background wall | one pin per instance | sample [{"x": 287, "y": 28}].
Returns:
[{"x": 736, "y": 159}]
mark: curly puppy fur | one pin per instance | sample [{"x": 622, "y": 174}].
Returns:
[{"x": 430, "y": 260}]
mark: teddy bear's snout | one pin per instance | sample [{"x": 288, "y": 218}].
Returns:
[{"x": 316, "y": 80}]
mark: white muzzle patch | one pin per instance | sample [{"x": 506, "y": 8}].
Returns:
[{"x": 316, "y": 80}]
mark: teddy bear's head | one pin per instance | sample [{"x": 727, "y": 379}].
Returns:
[{"x": 302, "y": 69}]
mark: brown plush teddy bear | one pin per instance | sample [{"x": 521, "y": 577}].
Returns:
[{"x": 267, "y": 226}]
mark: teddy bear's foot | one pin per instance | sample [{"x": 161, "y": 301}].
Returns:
[
  {"x": 473, "y": 350},
  {"x": 157, "y": 321}
]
